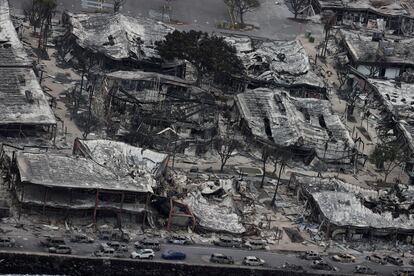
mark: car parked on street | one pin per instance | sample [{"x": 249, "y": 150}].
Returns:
[
  {"x": 343, "y": 258},
  {"x": 310, "y": 256},
  {"x": 363, "y": 269},
  {"x": 375, "y": 258},
  {"x": 120, "y": 236},
  {"x": 221, "y": 259},
  {"x": 227, "y": 242},
  {"x": 253, "y": 261},
  {"x": 60, "y": 249},
  {"x": 7, "y": 242},
  {"x": 81, "y": 238},
  {"x": 403, "y": 272},
  {"x": 148, "y": 254},
  {"x": 116, "y": 245},
  {"x": 177, "y": 239},
  {"x": 255, "y": 244},
  {"x": 113, "y": 235},
  {"x": 395, "y": 260},
  {"x": 322, "y": 265},
  {"x": 52, "y": 241},
  {"x": 173, "y": 255},
  {"x": 105, "y": 252},
  {"x": 148, "y": 244}
]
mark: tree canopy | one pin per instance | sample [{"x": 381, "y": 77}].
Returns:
[
  {"x": 208, "y": 54},
  {"x": 389, "y": 155},
  {"x": 240, "y": 7},
  {"x": 40, "y": 13}
]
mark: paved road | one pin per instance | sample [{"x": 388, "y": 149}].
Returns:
[
  {"x": 272, "y": 19},
  {"x": 199, "y": 254}
]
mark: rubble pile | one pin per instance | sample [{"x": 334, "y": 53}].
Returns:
[{"x": 278, "y": 62}]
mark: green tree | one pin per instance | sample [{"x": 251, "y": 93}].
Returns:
[
  {"x": 297, "y": 6},
  {"x": 40, "y": 13},
  {"x": 389, "y": 155},
  {"x": 231, "y": 6},
  {"x": 240, "y": 7},
  {"x": 208, "y": 54},
  {"x": 244, "y": 6}
]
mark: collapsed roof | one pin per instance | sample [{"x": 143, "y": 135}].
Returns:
[
  {"x": 283, "y": 63},
  {"x": 341, "y": 203},
  {"x": 219, "y": 217},
  {"x": 122, "y": 158},
  {"x": 56, "y": 170},
  {"x": 398, "y": 99},
  {"x": 273, "y": 116},
  {"x": 163, "y": 101},
  {"x": 363, "y": 50},
  {"x": 118, "y": 36},
  {"x": 22, "y": 100},
  {"x": 384, "y": 7}
]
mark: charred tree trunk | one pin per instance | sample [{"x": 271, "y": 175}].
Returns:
[{"x": 277, "y": 185}]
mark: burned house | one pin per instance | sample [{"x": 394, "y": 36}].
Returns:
[
  {"x": 271, "y": 63},
  {"x": 122, "y": 158},
  {"x": 376, "y": 56},
  {"x": 394, "y": 101},
  {"x": 24, "y": 106},
  {"x": 144, "y": 105},
  {"x": 305, "y": 125},
  {"x": 394, "y": 16},
  {"x": 113, "y": 41},
  {"x": 103, "y": 178},
  {"x": 348, "y": 211}
]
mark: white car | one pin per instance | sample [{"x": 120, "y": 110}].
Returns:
[
  {"x": 253, "y": 261},
  {"x": 143, "y": 254}
]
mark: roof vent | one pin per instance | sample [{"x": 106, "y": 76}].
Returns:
[{"x": 29, "y": 96}]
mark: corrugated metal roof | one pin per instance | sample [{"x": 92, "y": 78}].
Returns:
[
  {"x": 55, "y": 170},
  {"x": 118, "y": 36}
]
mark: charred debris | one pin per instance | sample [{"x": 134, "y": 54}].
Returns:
[{"x": 138, "y": 115}]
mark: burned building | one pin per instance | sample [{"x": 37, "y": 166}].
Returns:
[
  {"x": 348, "y": 211},
  {"x": 307, "y": 126},
  {"x": 103, "y": 178},
  {"x": 394, "y": 100},
  {"x": 24, "y": 106},
  {"x": 113, "y": 41},
  {"x": 143, "y": 105},
  {"x": 376, "y": 56},
  {"x": 394, "y": 16},
  {"x": 122, "y": 158},
  {"x": 271, "y": 63}
]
